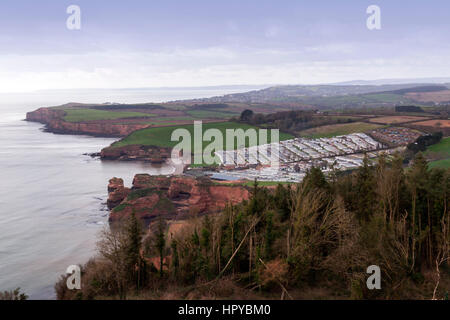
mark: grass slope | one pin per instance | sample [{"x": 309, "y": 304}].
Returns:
[
  {"x": 79, "y": 115},
  {"x": 443, "y": 147},
  {"x": 441, "y": 152},
  {"x": 161, "y": 136},
  {"x": 444, "y": 164}
]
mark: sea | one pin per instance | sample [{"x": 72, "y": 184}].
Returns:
[{"x": 52, "y": 195}]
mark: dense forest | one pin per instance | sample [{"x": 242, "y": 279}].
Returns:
[{"x": 312, "y": 240}]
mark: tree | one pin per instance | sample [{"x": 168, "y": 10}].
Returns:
[
  {"x": 282, "y": 201},
  {"x": 269, "y": 236},
  {"x": 121, "y": 246},
  {"x": 13, "y": 295},
  {"x": 365, "y": 190},
  {"x": 133, "y": 250},
  {"x": 112, "y": 248},
  {"x": 175, "y": 256},
  {"x": 160, "y": 244},
  {"x": 246, "y": 115},
  {"x": 258, "y": 201},
  {"x": 315, "y": 179},
  {"x": 417, "y": 183}
]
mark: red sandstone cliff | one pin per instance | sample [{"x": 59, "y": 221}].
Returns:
[
  {"x": 117, "y": 192},
  {"x": 45, "y": 115},
  {"x": 175, "y": 197},
  {"x": 53, "y": 119}
]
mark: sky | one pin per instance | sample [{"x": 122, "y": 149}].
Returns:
[{"x": 167, "y": 43}]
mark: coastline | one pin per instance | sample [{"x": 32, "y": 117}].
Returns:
[{"x": 54, "y": 123}]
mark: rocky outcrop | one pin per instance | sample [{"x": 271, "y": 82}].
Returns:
[
  {"x": 136, "y": 152},
  {"x": 45, "y": 115},
  {"x": 175, "y": 197},
  {"x": 117, "y": 192},
  {"x": 54, "y": 121}
]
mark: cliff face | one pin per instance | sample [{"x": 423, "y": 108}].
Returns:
[
  {"x": 55, "y": 123},
  {"x": 176, "y": 197},
  {"x": 45, "y": 115},
  {"x": 116, "y": 192}
]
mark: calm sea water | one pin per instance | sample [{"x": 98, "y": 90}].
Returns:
[{"x": 52, "y": 197}]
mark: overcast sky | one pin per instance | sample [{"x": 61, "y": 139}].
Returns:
[{"x": 137, "y": 43}]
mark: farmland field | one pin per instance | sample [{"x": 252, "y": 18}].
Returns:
[
  {"x": 396, "y": 119},
  {"x": 80, "y": 115},
  {"x": 338, "y": 129},
  {"x": 434, "y": 123},
  {"x": 161, "y": 136},
  {"x": 435, "y": 96}
]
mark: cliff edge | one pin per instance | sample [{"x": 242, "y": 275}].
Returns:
[
  {"x": 175, "y": 197},
  {"x": 54, "y": 121}
]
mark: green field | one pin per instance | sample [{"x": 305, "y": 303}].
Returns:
[
  {"x": 168, "y": 121},
  {"x": 445, "y": 164},
  {"x": 80, "y": 115},
  {"x": 161, "y": 136},
  {"x": 443, "y": 147},
  {"x": 333, "y": 130},
  {"x": 441, "y": 152}
]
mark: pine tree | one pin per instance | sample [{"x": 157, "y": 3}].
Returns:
[
  {"x": 133, "y": 247},
  {"x": 418, "y": 180},
  {"x": 160, "y": 244},
  {"x": 175, "y": 256},
  {"x": 269, "y": 236},
  {"x": 365, "y": 191},
  {"x": 315, "y": 179},
  {"x": 281, "y": 198}
]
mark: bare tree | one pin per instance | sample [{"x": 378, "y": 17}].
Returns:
[
  {"x": 443, "y": 254},
  {"x": 112, "y": 247}
]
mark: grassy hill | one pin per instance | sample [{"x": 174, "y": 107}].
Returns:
[{"x": 161, "y": 136}]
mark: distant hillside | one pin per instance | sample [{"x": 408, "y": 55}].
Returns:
[
  {"x": 334, "y": 96},
  {"x": 430, "y": 88}
]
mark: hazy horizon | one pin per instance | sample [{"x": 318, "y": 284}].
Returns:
[
  {"x": 355, "y": 82},
  {"x": 141, "y": 44}
]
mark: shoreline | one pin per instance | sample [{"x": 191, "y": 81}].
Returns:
[{"x": 54, "y": 123}]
